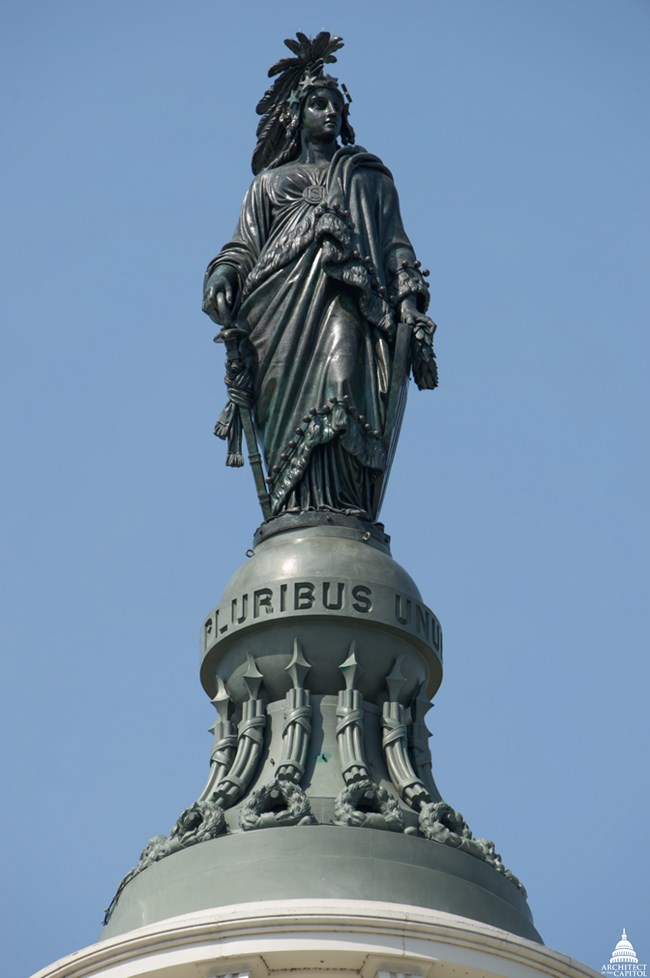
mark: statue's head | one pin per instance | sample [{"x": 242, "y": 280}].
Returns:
[
  {"x": 291, "y": 103},
  {"x": 324, "y": 112},
  {"x": 319, "y": 113}
]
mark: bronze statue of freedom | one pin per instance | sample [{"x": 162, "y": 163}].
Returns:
[{"x": 322, "y": 301}]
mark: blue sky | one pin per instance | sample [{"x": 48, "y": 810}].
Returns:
[{"x": 517, "y": 132}]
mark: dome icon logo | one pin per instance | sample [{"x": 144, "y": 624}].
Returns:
[{"x": 624, "y": 963}]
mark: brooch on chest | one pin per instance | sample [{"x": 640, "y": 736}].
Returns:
[{"x": 314, "y": 193}]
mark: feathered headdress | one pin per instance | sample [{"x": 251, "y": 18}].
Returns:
[{"x": 278, "y": 131}]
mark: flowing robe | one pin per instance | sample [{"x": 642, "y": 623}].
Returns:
[{"x": 322, "y": 263}]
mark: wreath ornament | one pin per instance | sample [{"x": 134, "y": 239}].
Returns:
[
  {"x": 367, "y": 805},
  {"x": 275, "y": 805}
]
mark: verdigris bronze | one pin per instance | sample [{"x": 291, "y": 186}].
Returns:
[
  {"x": 321, "y": 660},
  {"x": 322, "y": 302},
  {"x": 321, "y": 657}
]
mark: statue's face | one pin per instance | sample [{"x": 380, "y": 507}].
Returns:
[{"x": 322, "y": 115}]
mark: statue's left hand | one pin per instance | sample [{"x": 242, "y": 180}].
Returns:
[
  {"x": 408, "y": 310},
  {"x": 423, "y": 359}
]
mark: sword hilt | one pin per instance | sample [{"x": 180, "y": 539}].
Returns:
[{"x": 231, "y": 337}]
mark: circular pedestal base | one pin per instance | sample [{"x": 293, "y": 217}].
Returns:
[
  {"x": 322, "y": 862},
  {"x": 321, "y": 586}
]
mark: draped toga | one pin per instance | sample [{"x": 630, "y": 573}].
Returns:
[{"x": 322, "y": 263}]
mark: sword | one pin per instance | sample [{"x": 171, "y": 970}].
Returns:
[{"x": 231, "y": 337}]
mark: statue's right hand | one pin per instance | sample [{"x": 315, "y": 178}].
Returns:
[{"x": 219, "y": 298}]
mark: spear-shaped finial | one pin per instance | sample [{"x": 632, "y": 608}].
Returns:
[
  {"x": 298, "y": 667},
  {"x": 395, "y": 681},
  {"x": 221, "y": 702},
  {"x": 420, "y": 705},
  {"x": 252, "y": 678},
  {"x": 350, "y": 668}
]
